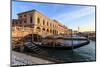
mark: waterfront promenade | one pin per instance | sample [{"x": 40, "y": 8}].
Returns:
[
  {"x": 24, "y": 59},
  {"x": 82, "y": 54}
]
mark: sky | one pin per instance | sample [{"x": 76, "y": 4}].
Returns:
[{"x": 73, "y": 16}]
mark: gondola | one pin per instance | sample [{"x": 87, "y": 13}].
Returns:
[{"x": 59, "y": 45}]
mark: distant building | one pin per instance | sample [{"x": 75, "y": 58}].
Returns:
[
  {"x": 37, "y": 23},
  {"x": 75, "y": 32}
]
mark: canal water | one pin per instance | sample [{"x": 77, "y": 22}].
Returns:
[{"x": 83, "y": 54}]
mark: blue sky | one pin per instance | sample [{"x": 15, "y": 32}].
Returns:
[{"x": 70, "y": 15}]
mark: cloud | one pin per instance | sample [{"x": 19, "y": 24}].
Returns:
[
  {"x": 74, "y": 14},
  {"x": 83, "y": 17}
]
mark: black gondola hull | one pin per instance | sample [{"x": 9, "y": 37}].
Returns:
[{"x": 65, "y": 47}]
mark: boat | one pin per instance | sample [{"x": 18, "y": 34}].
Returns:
[
  {"x": 61, "y": 43},
  {"x": 56, "y": 42}
]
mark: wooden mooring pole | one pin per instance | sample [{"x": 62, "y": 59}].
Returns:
[{"x": 72, "y": 40}]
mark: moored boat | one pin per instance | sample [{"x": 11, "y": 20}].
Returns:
[{"x": 62, "y": 44}]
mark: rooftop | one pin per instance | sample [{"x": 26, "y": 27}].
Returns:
[{"x": 27, "y": 11}]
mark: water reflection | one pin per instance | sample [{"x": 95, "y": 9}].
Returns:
[{"x": 85, "y": 53}]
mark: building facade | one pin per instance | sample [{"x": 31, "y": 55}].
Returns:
[{"x": 35, "y": 22}]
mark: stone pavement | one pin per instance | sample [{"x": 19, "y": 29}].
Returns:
[{"x": 23, "y": 59}]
